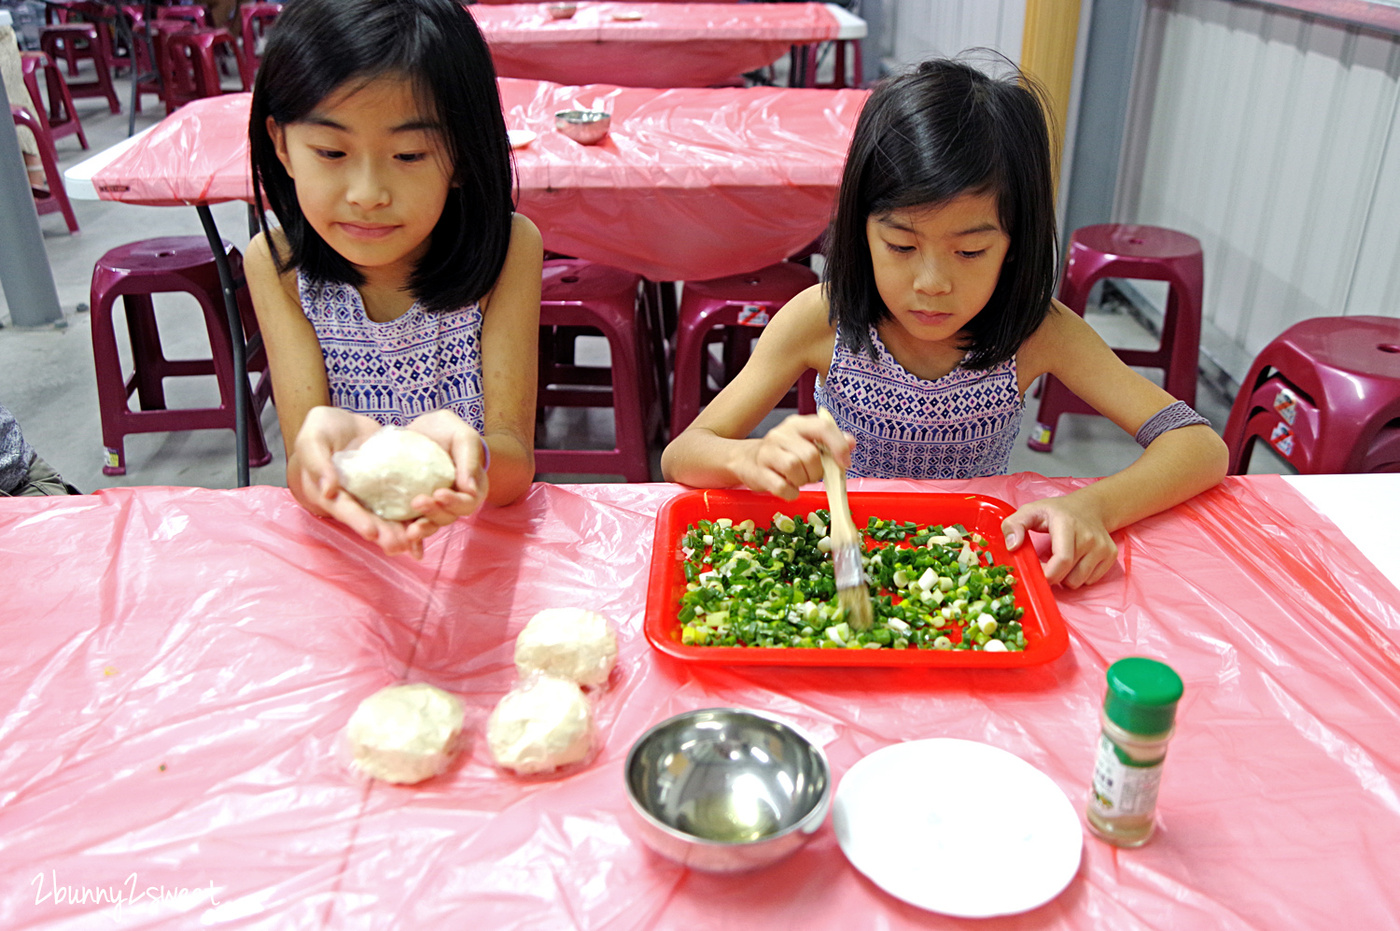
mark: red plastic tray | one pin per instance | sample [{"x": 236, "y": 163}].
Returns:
[{"x": 1046, "y": 637}]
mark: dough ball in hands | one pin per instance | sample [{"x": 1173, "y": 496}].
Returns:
[
  {"x": 572, "y": 643},
  {"x": 542, "y": 724},
  {"x": 391, "y": 468},
  {"x": 406, "y": 733}
]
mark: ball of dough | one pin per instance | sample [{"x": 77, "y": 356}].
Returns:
[
  {"x": 406, "y": 733},
  {"x": 391, "y": 468},
  {"x": 542, "y": 724},
  {"x": 572, "y": 643}
]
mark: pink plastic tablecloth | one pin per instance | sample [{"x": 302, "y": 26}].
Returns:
[
  {"x": 670, "y": 45},
  {"x": 691, "y": 183},
  {"x": 179, "y": 665}
]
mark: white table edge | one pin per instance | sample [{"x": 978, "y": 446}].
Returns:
[
  {"x": 77, "y": 180},
  {"x": 1365, "y": 507}
]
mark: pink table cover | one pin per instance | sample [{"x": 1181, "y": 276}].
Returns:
[
  {"x": 179, "y": 665},
  {"x": 671, "y": 45},
  {"x": 691, "y": 183}
]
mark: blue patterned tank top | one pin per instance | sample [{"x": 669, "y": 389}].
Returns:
[
  {"x": 395, "y": 371},
  {"x": 960, "y": 426}
]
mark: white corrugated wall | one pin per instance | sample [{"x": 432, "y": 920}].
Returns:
[
  {"x": 1272, "y": 137},
  {"x": 928, "y": 28}
]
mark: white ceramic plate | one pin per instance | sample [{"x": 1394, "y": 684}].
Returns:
[
  {"x": 519, "y": 138},
  {"x": 958, "y": 827}
]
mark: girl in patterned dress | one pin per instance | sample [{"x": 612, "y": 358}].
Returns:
[
  {"x": 936, "y": 317},
  {"x": 400, "y": 287}
]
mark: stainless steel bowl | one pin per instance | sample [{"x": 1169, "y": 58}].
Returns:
[
  {"x": 726, "y": 789},
  {"x": 583, "y": 126},
  {"x": 561, "y": 10}
]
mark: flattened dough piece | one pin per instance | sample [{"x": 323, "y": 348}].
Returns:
[
  {"x": 406, "y": 733},
  {"x": 542, "y": 724},
  {"x": 573, "y": 643}
]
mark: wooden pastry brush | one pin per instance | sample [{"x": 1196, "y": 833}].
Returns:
[{"x": 851, "y": 588}]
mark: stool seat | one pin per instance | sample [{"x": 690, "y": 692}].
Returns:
[
  {"x": 1119, "y": 250},
  {"x": 580, "y": 295},
  {"x": 733, "y": 308},
  {"x": 134, "y": 272},
  {"x": 1325, "y": 394}
]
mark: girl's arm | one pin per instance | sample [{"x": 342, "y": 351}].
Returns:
[
  {"x": 1176, "y": 466},
  {"x": 715, "y": 451},
  {"x": 510, "y": 336}
]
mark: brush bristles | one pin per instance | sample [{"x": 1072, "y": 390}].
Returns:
[{"x": 856, "y": 602}]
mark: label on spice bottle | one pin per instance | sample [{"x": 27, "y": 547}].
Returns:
[{"x": 1122, "y": 787}]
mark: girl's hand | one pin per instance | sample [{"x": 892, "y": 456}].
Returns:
[
  {"x": 314, "y": 481},
  {"x": 790, "y": 455},
  {"x": 469, "y": 454},
  {"x": 1081, "y": 549}
]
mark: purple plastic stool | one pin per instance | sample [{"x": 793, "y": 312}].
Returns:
[
  {"x": 1115, "y": 250},
  {"x": 154, "y": 266},
  {"x": 73, "y": 41},
  {"x": 57, "y": 197},
  {"x": 740, "y": 304},
  {"x": 580, "y": 294},
  {"x": 1326, "y": 395}
]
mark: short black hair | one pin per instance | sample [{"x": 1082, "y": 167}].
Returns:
[
  {"x": 315, "y": 47},
  {"x": 924, "y": 137}
]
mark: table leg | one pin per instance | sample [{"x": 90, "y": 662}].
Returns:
[{"x": 237, "y": 340}]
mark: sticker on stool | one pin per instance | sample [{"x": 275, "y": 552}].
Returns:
[
  {"x": 753, "y": 315},
  {"x": 1286, "y": 404},
  {"x": 1282, "y": 439}
]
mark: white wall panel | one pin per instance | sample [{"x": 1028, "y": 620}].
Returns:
[
  {"x": 1271, "y": 137},
  {"x": 934, "y": 28}
]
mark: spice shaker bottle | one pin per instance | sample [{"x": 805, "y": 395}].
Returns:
[{"x": 1139, "y": 710}]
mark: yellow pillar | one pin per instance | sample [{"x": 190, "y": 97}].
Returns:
[{"x": 1047, "y": 53}]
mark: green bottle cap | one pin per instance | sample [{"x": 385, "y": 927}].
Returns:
[{"x": 1142, "y": 695}]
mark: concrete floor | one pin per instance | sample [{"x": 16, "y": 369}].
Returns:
[{"x": 47, "y": 380}]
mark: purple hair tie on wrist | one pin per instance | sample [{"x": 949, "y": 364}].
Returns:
[
  {"x": 1174, "y": 415},
  {"x": 485, "y": 453}
]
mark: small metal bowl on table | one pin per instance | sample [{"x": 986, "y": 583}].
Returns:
[
  {"x": 726, "y": 789},
  {"x": 561, "y": 10},
  {"x": 586, "y": 127}
]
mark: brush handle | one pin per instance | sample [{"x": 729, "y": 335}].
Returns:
[{"x": 843, "y": 527}]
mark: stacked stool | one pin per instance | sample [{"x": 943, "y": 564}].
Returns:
[
  {"x": 73, "y": 42},
  {"x": 134, "y": 272},
  {"x": 1114, "y": 250},
  {"x": 732, "y": 309},
  {"x": 59, "y": 119},
  {"x": 255, "y": 19},
  {"x": 580, "y": 294},
  {"x": 1325, "y": 394}
]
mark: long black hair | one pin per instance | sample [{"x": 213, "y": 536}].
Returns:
[
  {"x": 315, "y": 47},
  {"x": 927, "y": 136}
]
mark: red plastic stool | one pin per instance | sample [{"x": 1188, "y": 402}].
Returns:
[
  {"x": 194, "y": 13},
  {"x": 155, "y": 266},
  {"x": 740, "y": 304},
  {"x": 1325, "y": 394},
  {"x": 577, "y": 293},
  {"x": 188, "y": 68},
  {"x": 76, "y": 41},
  {"x": 1114, "y": 250},
  {"x": 57, "y": 197},
  {"x": 255, "y": 19},
  {"x": 58, "y": 118}
]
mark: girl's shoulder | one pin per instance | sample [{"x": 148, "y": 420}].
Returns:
[
  {"x": 803, "y": 327},
  {"x": 1060, "y": 331},
  {"x": 261, "y": 265}
]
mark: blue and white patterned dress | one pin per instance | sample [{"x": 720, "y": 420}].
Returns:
[
  {"x": 393, "y": 372},
  {"x": 959, "y": 426}
]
